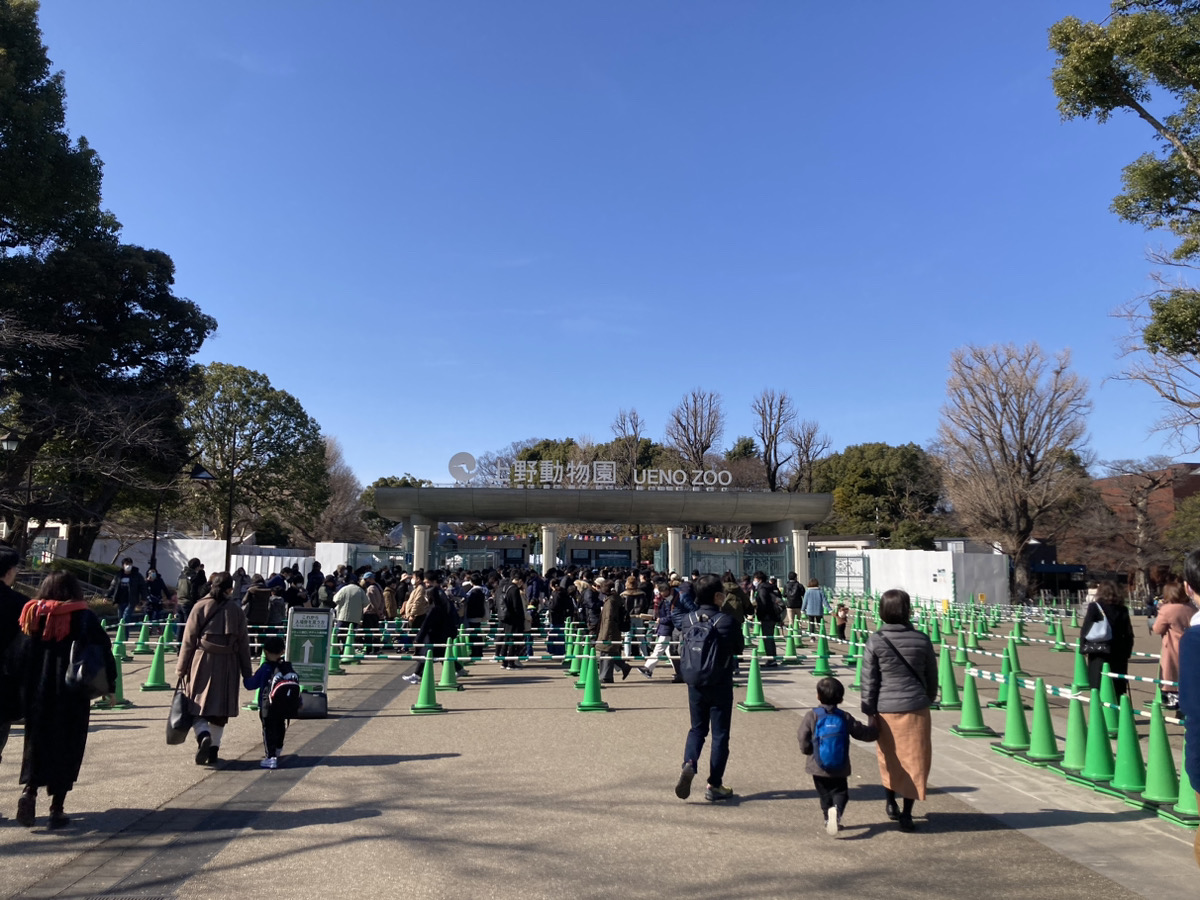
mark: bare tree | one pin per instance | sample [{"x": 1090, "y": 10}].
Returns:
[
  {"x": 1161, "y": 349},
  {"x": 1128, "y": 490},
  {"x": 696, "y": 425},
  {"x": 1011, "y": 441},
  {"x": 342, "y": 519},
  {"x": 628, "y": 428},
  {"x": 808, "y": 446},
  {"x": 776, "y": 418}
]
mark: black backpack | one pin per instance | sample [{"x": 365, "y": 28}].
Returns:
[
  {"x": 283, "y": 692},
  {"x": 700, "y": 651}
]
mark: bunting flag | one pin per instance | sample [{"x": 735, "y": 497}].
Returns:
[{"x": 605, "y": 538}]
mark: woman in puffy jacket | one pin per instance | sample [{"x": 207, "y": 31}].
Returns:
[{"x": 899, "y": 684}]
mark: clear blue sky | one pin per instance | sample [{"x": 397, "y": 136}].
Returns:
[{"x": 448, "y": 226}]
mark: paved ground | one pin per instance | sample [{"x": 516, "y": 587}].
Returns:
[{"x": 513, "y": 793}]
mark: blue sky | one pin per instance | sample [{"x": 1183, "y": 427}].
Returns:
[{"x": 448, "y": 226}]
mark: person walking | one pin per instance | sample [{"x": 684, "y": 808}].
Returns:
[
  {"x": 710, "y": 705},
  {"x": 128, "y": 590},
  {"x": 11, "y": 605},
  {"x": 1108, "y": 606},
  {"x": 815, "y": 605},
  {"x": 664, "y": 629},
  {"x": 793, "y": 596},
  {"x": 1174, "y": 615},
  {"x": 899, "y": 679},
  {"x": 438, "y": 627},
  {"x": 766, "y": 614},
  {"x": 614, "y": 621},
  {"x": 214, "y": 658},
  {"x": 56, "y": 715}
]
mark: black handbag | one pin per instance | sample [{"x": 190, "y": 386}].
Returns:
[
  {"x": 179, "y": 719},
  {"x": 87, "y": 670}
]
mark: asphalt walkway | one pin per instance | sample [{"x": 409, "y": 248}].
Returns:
[{"x": 512, "y": 793}]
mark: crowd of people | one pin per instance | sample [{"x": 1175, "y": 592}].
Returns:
[{"x": 693, "y": 622}]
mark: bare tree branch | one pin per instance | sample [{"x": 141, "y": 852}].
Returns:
[
  {"x": 696, "y": 425},
  {"x": 776, "y": 418}
]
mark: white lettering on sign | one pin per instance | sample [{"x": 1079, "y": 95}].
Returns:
[{"x": 604, "y": 472}]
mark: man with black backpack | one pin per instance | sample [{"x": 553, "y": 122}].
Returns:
[{"x": 710, "y": 641}]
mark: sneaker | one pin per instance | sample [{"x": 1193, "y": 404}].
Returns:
[
  {"x": 715, "y": 794},
  {"x": 204, "y": 742},
  {"x": 832, "y": 826},
  {"x": 269, "y": 762},
  {"x": 649, "y": 673},
  {"x": 413, "y": 679},
  {"x": 683, "y": 787}
]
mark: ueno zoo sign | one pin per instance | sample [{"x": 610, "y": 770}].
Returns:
[{"x": 602, "y": 473}]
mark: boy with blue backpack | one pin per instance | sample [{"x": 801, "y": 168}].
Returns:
[
  {"x": 825, "y": 736},
  {"x": 278, "y": 699}
]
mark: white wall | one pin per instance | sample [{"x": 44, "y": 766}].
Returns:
[
  {"x": 926, "y": 574},
  {"x": 174, "y": 553}
]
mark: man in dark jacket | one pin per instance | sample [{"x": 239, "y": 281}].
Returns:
[
  {"x": 664, "y": 612},
  {"x": 766, "y": 613},
  {"x": 128, "y": 589},
  {"x": 793, "y": 596},
  {"x": 11, "y": 604},
  {"x": 510, "y": 613},
  {"x": 711, "y": 705}
]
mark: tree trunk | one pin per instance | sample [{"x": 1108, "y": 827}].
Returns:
[
  {"x": 81, "y": 535},
  {"x": 1020, "y": 577}
]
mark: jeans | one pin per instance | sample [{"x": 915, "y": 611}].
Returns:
[
  {"x": 607, "y": 659},
  {"x": 710, "y": 706}
]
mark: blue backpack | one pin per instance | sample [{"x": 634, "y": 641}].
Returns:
[{"x": 831, "y": 739}]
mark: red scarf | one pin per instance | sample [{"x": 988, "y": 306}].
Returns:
[{"x": 54, "y": 614}]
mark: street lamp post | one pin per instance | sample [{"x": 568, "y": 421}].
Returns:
[
  {"x": 229, "y": 509},
  {"x": 10, "y": 443},
  {"x": 198, "y": 473}
]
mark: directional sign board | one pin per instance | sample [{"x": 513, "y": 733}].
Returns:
[{"x": 309, "y": 634}]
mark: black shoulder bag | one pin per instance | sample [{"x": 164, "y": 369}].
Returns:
[{"x": 907, "y": 664}]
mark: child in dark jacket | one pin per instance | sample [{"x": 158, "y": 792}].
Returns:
[
  {"x": 279, "y": 698},
  {"x": 825, "y": 736}
]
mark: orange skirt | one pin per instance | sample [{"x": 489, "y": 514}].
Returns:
[{"x": 905, "y": 752}]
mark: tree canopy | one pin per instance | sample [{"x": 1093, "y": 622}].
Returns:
[
  {"x": 260, "y": 442},
  {"x": 96, "y": 346}
]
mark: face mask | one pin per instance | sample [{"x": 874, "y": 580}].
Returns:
[{"x": 129, "y": 568}]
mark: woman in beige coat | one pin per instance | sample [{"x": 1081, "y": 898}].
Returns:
[
  {"x": 1174, "y": 616},
  {"x": 213, "y": 660}
]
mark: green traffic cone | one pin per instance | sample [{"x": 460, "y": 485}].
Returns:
[
  {"x": 335, "y": 662},
  {"x": 1074, "y": 620},
  {"x": 1001, "y": 700},
  {"x": 1184, "y": 812},
  {"x": 822, "y": 667},
  {"x": 1016, "y": 730},
  {"x": 970, "y": 722},
  {"x": 142, "y": 647},
  {"x": 591, "y": 701},
  {"x": 426, "y": 700},
  {"x": 1043, "y": 748},
  {"x": 449, "y": 682},
  {"x": 947, "y": 687},
  {"x": 1108, "y": 696},
  {"x": 755, "y": 701},
  {"x": 119, "y": 650},
  {"x": 1080, "y": 683},
  {"x": 119, "y": 701},
  {"x": 856, "y": 684},
  {"x": 1162, "y": 782},
  {"x": 1014, "y": 659},
  {"x": 1018, "y": 632},
  {"x": 789, "y": 648},
  {"x": 578, "y": 652},
  {"x": 1075, "y": 755},
  {"x": 960, "y": 654},
  {"x": 1098, "y": 763},
  {"x": 1060, "y": 639},
  {"x": 157, "y": 680},
  {"x": 348, "y": 657},
  {"x": 935, "y": 632},
  {"x": 973, "y": 639},
  {"x": 585, "y": 667},
  {"x": 1129, "y": 770}
]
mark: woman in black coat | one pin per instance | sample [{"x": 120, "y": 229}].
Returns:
[
  {"x": 56, "y": 717},
  {"x": 1120, "y": 647}
]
